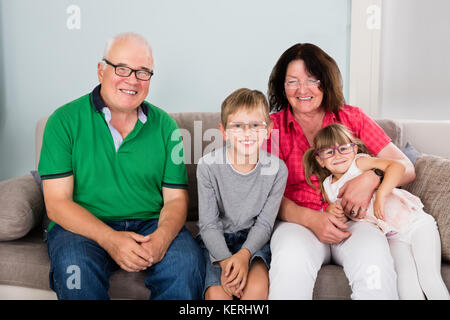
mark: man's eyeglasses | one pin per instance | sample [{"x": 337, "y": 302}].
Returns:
[
  {"x": 255, "y": 126},
  {"x": 295, "y": 84},
  {"x": 326, "y": 153},
  {"x": 123, "y": 71}
]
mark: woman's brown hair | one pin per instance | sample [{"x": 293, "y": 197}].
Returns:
[
  {"x": 319, "y": 64},
  {"x": 328, "y": 136}
]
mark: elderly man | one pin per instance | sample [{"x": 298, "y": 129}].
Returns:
[{"x": 115, "y": 196}]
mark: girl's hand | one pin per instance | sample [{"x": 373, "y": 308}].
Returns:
[
  {"x": 336, "y": 210},
  {"x": 378, "y": 207}
]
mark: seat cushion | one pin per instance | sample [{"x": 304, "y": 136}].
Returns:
[
  {"x": 25, "y": 263},
  {"x": 331, "y": 284}
]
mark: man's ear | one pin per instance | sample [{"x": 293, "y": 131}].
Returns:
[
  {"x": 223, "y": 131},
  {"x": 100, "y": 71}
]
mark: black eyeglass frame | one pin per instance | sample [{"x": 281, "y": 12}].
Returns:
[{"x": 115, "y": 66}]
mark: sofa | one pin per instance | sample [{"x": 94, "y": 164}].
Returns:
[{"x": 24, "y": 262}]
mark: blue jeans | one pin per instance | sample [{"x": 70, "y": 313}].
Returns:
[
  {"x": 80, "y": 268},
  {"x": 234, "y": 242}
]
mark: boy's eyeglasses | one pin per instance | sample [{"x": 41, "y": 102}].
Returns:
[
  {"x": 255, "y": 126},
  {"x": 326, "y": 153}
]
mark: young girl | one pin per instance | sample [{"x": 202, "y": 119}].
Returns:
[{"x": 338, "y": 157}]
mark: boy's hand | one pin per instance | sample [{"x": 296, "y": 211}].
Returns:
[
  {"x": 223, "y": 278},
  {"x": 378, "y": 207},
  {"x": 235, "y": 271},
  {"x": 337, "y": 210}
]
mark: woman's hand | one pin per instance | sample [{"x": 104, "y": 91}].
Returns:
[
  {"x": 356, "y": 194},
  {"x": 327, "y": 228}
]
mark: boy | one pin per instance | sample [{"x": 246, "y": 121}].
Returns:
[{"x": 240, "y": 188}]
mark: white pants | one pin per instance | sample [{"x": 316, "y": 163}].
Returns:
[
  {"x": 297, "y": 256},
  {"x": 417, "y": 260}
]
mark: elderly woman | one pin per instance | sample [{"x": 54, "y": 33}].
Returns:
[{"x": 305, "y": 92}]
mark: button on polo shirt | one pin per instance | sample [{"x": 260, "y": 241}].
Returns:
[{"x": 113, "y": 184}]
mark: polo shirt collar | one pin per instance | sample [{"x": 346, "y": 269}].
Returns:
[{"x": 99, "y": 105}]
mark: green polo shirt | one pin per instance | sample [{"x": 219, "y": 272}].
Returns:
[{"x": 113, "y": 185}]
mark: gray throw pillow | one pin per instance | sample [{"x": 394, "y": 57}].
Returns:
[
  {"x": 411, "y": 152},
  {"x": 21, "y": 206}
]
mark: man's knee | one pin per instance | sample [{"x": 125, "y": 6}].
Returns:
[
  {"x": 77, "y": 269},
  {"x": 185, "y": 259},
  {"x": 188, "y": 253}
]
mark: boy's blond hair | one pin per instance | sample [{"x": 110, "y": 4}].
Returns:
[{"x": 244, "y": 99}]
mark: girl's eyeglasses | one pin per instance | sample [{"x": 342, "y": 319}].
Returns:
[{"x": 326, "y": 153}]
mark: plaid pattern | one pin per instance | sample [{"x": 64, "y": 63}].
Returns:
[{"x": 289, "y": 143}]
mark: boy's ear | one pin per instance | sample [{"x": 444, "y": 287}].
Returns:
[
  {"x": 269, "y": 129},
  {"x": 223, "y": 131}
]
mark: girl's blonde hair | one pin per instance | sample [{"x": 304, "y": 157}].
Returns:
[{"x": 329, "y": 136}]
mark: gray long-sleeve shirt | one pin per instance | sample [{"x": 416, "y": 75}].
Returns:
[{"x": 229, "y": 201}]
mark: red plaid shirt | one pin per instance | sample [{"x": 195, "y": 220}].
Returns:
[{"x": 293, "y": 144}]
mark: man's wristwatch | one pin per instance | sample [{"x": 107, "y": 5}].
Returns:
[{"x": 379, "y": 173}]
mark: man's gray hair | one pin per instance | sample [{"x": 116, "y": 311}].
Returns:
[{"x": 126, "y": 36}]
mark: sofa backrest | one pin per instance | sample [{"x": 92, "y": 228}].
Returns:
[{"x": 198, "y": 139}]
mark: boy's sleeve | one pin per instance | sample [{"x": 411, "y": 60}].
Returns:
[
  {"x": 56, "y": 152},
  {"x": 211, "y": 228},
  {"x": 261, "y": 231},
  {"x": 175, "y": 175}
]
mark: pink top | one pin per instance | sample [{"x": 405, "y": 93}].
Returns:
[{"x": 289, "y": 143}]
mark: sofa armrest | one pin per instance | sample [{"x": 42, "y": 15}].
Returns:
[
  {"x": 432, "y": 185},
  {"x": 21, "y": 207}
]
